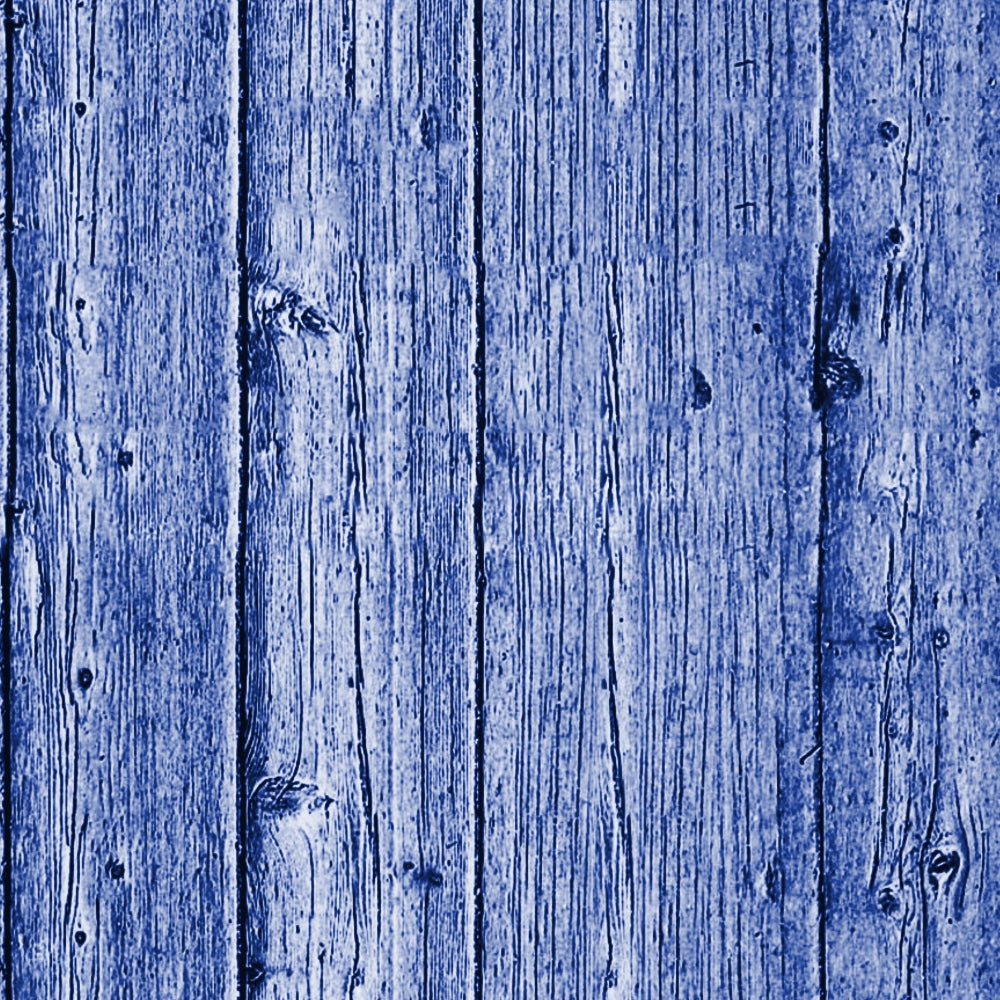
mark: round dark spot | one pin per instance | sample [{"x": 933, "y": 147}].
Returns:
[
  {"x": 434, "y": 877},
  {"x": 889, "y": 131},
  {"x": 80, "y": 304},
  {"x": 85, "y": 677},
  {"x": 80, "y": 937},
  {"x": 895, "y": 236},
  {"x": 408, "y": 866},
  {"x": 974, "y": 394},
  {"x": 757, "y": 328},
  {"x": 701, "y": 390},
  {"x": 80, "y": 108},
  {"x": 124, "y": 458},
  {"x": 940, "y": 639},
  {"x": 116, "y": 870},
  {"x": 891, "y": 729}
]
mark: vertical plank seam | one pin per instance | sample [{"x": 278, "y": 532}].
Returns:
[
  {"x": 10, "y": 505},
  {"x": 242, "y": 646},
  {"x": 820, "y": 402},
  {"x": 479, "y": 847}
]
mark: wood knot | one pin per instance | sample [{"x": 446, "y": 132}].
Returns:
[
  {"x": 280, "y": 797},
  {"x": 888, "y": 901},
  {"x": 283, "y": 313},
  {"x": 942, "y": 866},
  {"x": 839, "y": 379},
  {"x": 889, "y": 131},
  {"x": 884, "y": 632},
  {"x": 700, "y": 389}
]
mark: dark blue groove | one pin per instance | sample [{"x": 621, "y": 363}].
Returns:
[
  {"x": 10, "y": 501},
  {"x": 242, "y": 642},
  {"x": 820, "y": 400},
  {"x": 479, "y": 846}
]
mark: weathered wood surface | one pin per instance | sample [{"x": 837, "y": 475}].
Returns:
[
  {"x": 120, "y": 617},
  {"x": 911, "y": 588},
  {"x": 654, "y": 496},
  {"x": 360, "y": 552},
  {"x": 500, "y": 499}
]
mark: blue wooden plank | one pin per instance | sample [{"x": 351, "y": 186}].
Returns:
[
  {"x": 910, "y": 570},
  {"x": 120, "y": 618},
  {"x": 614, "y": 556},
  {"x": 360, "y": 608},
  {"x": 654, "y": 494}
]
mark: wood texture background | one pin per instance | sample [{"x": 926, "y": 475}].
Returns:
[{"x": 500, "y": 499}]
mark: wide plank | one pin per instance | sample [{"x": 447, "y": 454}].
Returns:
[
  {"x": 911, "y": 589},
  {"x": 121, "y": 527},
  {"x": 652, "y": 232},
  {"x": 360, "y": 447}
]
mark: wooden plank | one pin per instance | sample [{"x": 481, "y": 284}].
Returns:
[
  {"x": 122, "y": 647},
  {"x": 653, "y": 461},
  {"x": 911, "y": 585},
  {"x": 359, "y": 534}
]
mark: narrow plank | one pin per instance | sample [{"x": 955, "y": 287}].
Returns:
[
  {"x": 550, "y": 850},
  {"x": 911, "y": 566},
  {"x": 359, "y": 528},
  {"x": 653, "y": 460},
  {"x": 122, "y": 655}
]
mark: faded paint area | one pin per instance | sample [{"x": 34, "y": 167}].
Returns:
[{"x": 500, "y": 500}]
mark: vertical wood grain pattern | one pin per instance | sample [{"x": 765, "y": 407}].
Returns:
[
  {"x": 121, "y": 662},
  {"x": 359, "y": 533},
  {"x": 654, "y": 496},
  {"x": 912, "y": 591},
  {"x": 500, "y": 499}
]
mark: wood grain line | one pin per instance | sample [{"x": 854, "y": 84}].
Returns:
[{"x": 10, "y": 503}]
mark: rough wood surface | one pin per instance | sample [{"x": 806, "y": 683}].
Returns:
[
  {"x": 500, "y": 499},
  {"x": 360, "y": 557},
  {"x": 911, "y": 586},
  {"x": 654, "y": 493},
  {"x": 121, "y": 665}
]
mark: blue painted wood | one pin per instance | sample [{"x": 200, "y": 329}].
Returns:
[
  {"x": 360, "y": 549},
  {"x": 119, "y": 621},
  {"x": 911, "y": 586},
  {"x": 555, "y": 536},
  {"x": 655, "y": 485}
]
